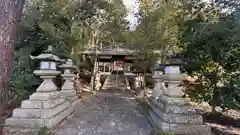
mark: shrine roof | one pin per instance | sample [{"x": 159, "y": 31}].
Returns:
[{"x": 111, "y": 52}]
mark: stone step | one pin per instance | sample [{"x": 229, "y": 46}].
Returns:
[
  {"x": 35, "y": 123},
  {"x": 68, "y": 93},
  {"x": 45, "y": 96},
  {"x": 177, "y": 118},
  {"x": 171, "y": 108},
  {"x": 32, "y": 104},
  {"x": 176, "y": 114},
  {"x": 40, "y": 113},
  {"x": 188, "y": 129}
]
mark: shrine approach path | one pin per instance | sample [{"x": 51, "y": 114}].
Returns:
[{"x": 106, "y": 113}]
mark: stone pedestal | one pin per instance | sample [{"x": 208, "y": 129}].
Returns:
[
  {"x": 79, "y": 85},
  {"x": 158, "y": 86},
  {"x": 98, "y": 84},
  {"x": 44, "y": 108},
  {"x": 172, "y": 113},
  {"x": 68, "y": 90},
  {"x": 108, "y": 82},
  {"x": 127, "y": 84},
  {"x": 137, "y": 84}
]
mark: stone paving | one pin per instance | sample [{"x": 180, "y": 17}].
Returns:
[{"x": 106, "y": 113}]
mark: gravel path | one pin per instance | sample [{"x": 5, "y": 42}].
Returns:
[{"x": 106, "y": 113}]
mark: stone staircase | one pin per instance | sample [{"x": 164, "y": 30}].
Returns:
[{"x": 114, "y": 82}]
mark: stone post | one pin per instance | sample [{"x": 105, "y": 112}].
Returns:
[
  {"x": 158, "y": 86},
  {"x": 78, "y": 84},
  {"x": 137, "y": 82},
  {"x": 97, "y": 81},
  {"x": 172, "y": 112},
  {"x": 68, "y": 90},
  {"x": 45, "y": 107},
  {"x": 127, "y": 83},
  {"x": 127, "y": 77}
]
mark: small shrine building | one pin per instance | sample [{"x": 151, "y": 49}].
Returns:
[{"x": 115, "y": 60}]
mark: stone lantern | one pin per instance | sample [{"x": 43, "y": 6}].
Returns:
[
  {"x": 48, "y": 61},
  {"x": 173, "y": 78},
  {"x": 172, "y": 112},
  {"x": 159, "y": 85},
  {"x": 68, "y": 90},
  {"x": 45, "y": 107}
]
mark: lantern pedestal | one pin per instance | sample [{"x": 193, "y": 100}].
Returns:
[
  {"x": 44, "y": 108},
  {"x": 137, "y": 83},
  {"x": 127, "y": 84},
  {"x": 79, "y": 85},
  {"x": 172, "y": 113},
  {"x": 158, "y": 87},
  {"x": 68, "y": 90},
  {"x": 98, "y": 84}
]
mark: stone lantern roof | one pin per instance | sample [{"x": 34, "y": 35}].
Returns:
[
  {"x": 68, "y": 65},
  {"x": 173, "y": 59},
  {"x": 47, "y": 55}
]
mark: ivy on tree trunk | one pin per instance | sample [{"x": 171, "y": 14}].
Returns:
[{"x": 10, "y": 16}]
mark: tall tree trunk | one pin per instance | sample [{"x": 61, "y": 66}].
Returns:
[{"x": 10, "y": 15}]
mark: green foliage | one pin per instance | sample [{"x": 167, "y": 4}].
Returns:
[
  {"x": 22, "y": 79},
  {"x": 202, "y": 33},
  {"x": 229, "y": 96},
  {"x": 212, "y": 49},
  {"x": 69, "y": 26},
  {"x": 155, "y": 132},
  {"x": 45, "y": 131},
  {"x": 161, "y": 24}
]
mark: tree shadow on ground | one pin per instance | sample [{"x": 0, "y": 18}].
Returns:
[
  {"x": 222, "y": 124},
  {"x": 221, "y": 119}
]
